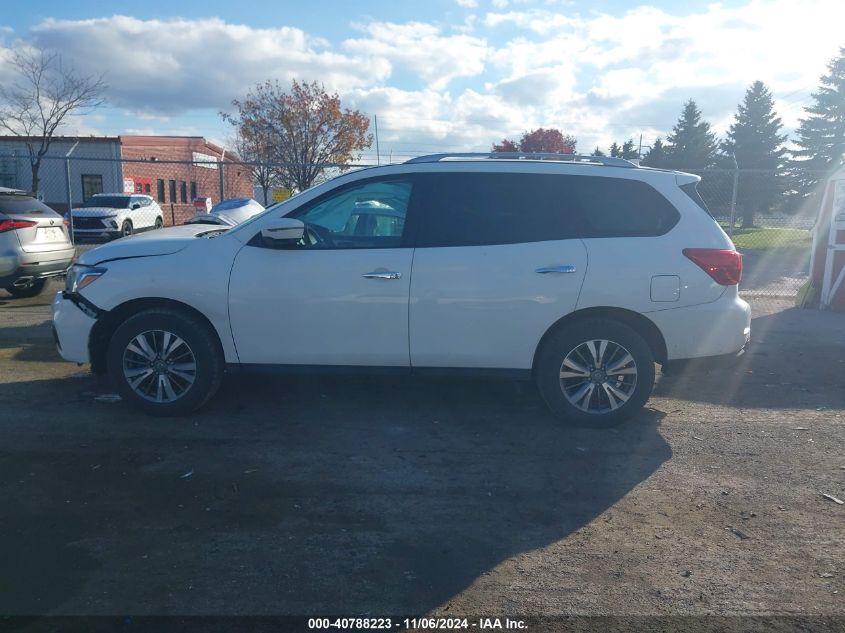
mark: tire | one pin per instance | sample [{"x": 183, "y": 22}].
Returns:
[
  {"x": 189, "y": 388},
  {"x": 614, "y": 397},
  {"x": 158, "y": 223},
  {"x": 126, "y": 228},
  {"x": 32, "y": 290}
]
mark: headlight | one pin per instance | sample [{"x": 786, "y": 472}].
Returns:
[{"x": 79, "y": 276}]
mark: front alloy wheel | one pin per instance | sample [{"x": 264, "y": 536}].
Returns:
[
  {"x": 159, "y": 366},
  {"x": 166, "y": 361}
]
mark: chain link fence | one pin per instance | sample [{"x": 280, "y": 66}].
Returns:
[
  {"x": 111, "y": 197},
  {"x": 767, "y": 225}
]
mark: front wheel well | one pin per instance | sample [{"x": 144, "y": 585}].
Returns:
[
  {"x": 644, "y": 326},
  {"x": 105, "y": 326}
]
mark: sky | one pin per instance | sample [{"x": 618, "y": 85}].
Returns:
[{"x": 440, "y": 75}]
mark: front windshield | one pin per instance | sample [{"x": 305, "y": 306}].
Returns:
[{"x": 113, "y": 202}]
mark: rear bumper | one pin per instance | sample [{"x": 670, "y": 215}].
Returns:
[
  {"x": 27, "y": 272},
  {"x": 705, "y": 363},
  {"x": 718, "y": 329},
  {"x": 72, "y": 323}
]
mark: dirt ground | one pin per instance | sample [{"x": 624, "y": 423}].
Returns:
[{"x": 316, "y": 496}]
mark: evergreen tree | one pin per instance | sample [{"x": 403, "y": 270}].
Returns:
[
  {"x": 821, "y": 135},
  {"x": 629, "y": 150},
  {"x": 755, "y": 141},
  {"x": 597, "y": 152},
  {"x": 691, "y": 145},
  {"x": 615, "y": 150},
  {"x": 656, "y": 156}
]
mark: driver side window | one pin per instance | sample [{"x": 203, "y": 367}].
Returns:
[{"x": 371, "y": 215}]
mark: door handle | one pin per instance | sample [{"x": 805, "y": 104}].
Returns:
[
  {"x": 383, "y": 275},
  {"x": 567, "y": 268}
]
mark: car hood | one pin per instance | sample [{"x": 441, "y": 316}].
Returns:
[
  {"x": 159, "y": 242},
  {"x": 218, "y": 219},
  {"x": 95, "y": 212}
]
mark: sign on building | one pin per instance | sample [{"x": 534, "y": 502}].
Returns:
[
  {"x": 280, "y": 194},
  {"x": 205, "y": 160}
]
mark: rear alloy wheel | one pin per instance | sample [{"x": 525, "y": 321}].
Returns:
[
  {"x": 158, "y": 223},
  {"x": 595, "y": 373},
  {"x": 126, "y": 229},
  {"x": 165, "y": 361},
  {"x": 32, "y": 289}
]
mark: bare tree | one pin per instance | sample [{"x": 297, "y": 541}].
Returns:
[
  {"x": 257, "y": 155},
  {"x": 38, "y": 101}
]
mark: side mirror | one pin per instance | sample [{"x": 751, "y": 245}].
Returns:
[
  {"x": 283, "y": 233},
  {"x": 136, "y": 205}
]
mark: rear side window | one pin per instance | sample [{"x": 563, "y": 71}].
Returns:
[
  {"x": 474, "y": 209},
  {"x": 692, "y": 191},
  {"x": 23, "y": 205},
  {"x": 618, "y": 207}
]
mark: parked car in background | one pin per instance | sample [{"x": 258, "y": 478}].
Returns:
[
  {"x": 229, "y": 212},
  {"x": 448, "y": 264},
  {"x": 112, "y": 215},
  {"x": 34, "y": 243}
]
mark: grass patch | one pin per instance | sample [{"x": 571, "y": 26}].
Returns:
[{"x": 769, "y": 237}]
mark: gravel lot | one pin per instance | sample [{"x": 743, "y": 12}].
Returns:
[{"x": 396, "y": 496}]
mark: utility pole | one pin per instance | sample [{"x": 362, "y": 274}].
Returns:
[
  {"x": 378, "y": 153},
  {"x": 733, "y": 195},
  {"x": 222, "y": 176},
  {"x": 69, "y": 194}
]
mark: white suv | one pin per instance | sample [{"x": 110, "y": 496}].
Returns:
[
  {"x": 112, "y": 215},
  {"x": 580, "y": 273}
]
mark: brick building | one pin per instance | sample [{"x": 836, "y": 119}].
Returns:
[{"x": 172, "y": 169}]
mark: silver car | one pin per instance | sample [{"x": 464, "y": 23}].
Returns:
[{"x": 34, "y": 243}]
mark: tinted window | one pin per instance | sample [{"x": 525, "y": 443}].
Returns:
[
  {"x": 616, "y": 207},
  {"x": 160, "y": 190},
  {"x": 23, "y": 205},
  {"x": 470, "y": 209},
  {"x": 692, "y": 191},
  {"x": 113, "y": 202}
]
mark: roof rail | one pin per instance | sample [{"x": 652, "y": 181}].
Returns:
[{"x": 607, "y": 161}]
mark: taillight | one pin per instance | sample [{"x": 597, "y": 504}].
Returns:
[
  {"x": 724, "y": 266},
  {"x": 9, "y": 224},
  {"x": 66, "y": 222}
]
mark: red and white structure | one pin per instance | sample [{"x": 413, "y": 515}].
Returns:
[{"x": 827, "y": 260}]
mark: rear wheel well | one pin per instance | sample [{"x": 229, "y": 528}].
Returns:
[
  {"x": 105, "y": 326},
  {"x": 644, "y": 326}
]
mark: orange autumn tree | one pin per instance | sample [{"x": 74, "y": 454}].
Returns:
[{"x": 305, "y": 130}]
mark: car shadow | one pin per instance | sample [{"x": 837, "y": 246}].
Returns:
[{"x": 294, "y": 496}]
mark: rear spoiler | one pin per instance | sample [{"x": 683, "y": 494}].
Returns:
[{"x": 683, "y": 178}]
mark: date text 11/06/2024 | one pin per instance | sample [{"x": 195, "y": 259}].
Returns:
[{"x": 425, "y": 624}]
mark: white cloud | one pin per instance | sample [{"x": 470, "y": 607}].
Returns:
[
  {"x": 422, "y": 49},
  {"x": 172, "y": 65},
  {"x": 597, "y": 75},
  {"x": 467, "y": 4}
]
